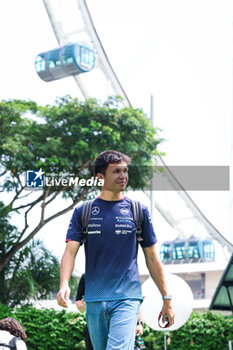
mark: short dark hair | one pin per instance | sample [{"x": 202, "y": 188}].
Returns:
[
  {"x": 14, "y": 327},
  {"x": 109, "y": 157}
]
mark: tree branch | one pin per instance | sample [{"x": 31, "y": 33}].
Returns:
[
  {"x": 15, "y": 197},
  {"x": 26, "y": 195},
  {"x": 4, "y": 172},
  {"x": 29, "y": 204},
  {"x": 25, "y": 224},
  {"x": 63, "y": 187},
  {"x": 76, "y": 201},
  {"x": 19, "y": 245},
  {"x": 43, "y": 205}
]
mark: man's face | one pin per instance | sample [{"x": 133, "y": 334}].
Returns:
[{"x": 116, "y": 177}]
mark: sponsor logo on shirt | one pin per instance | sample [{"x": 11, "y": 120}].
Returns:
[
  {"x": 124, "y": 211},
  {"x": 123, "y": 225},
  {"x": 96, "y": 219},
  {"x": 122, "y": 232},
  {"x": 95, "y": 210},
  {"x": 124, "y": 217},
  {"x": 94, "y": 232},
  {"x": 124, "y": 220},
  {"x": 94, "y": 225}
]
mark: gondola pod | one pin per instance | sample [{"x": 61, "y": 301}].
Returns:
[{"x": 64, "y": 61}]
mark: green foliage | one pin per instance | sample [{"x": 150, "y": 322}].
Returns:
[
  {"x": 58, "y": 330},
  {"x": 5, "y": 311},
  {"x": 52, "y": 330},
  {"x": 64, "y": 139},
  {"x": 202, "y": 331},
  {"x": 34, "y": 276},
  {"x": 32, "y": 273},
  {"x": 49, "y": 329}
]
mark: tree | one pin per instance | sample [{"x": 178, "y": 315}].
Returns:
[
  {"x": 33, "y": 273},
  {"x": 65, "y": 139}
]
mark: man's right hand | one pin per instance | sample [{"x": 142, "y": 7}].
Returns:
[
  {"x": 63, "y": 296},
  {"x": 67, "y": 266},
  {"x": 81, "y": 305}
]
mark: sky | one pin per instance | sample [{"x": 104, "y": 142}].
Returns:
[{"x": 179, "y": 51}]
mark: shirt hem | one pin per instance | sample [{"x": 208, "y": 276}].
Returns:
[
  {"x": 74, "y": 240},
  {"x": 113, "y": 299}
]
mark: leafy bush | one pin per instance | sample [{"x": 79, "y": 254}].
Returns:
[
  {"x": 58, "y": 330},
  {"x": 5, "y": 311},
  {"x": 201, "y": 332},
  {"x": 48, "y": 329}
]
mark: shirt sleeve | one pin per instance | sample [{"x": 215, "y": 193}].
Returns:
[
  {"x": 74, "y": 232},
  {"x": 148, "y": 234},
  {"x": 81, "y": 288}
]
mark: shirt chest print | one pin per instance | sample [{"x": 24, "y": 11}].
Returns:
[{"x": 123, "y": 225}]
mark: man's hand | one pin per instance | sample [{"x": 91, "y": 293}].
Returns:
[
  {"x": 81, "y": 305},
  {"x": 167, "y": 311},
  {"x": 139, "y": 329},
  {"x": 67, "y": 266},
  {"x": 156, "y": 271},
  {"x": 63, "y": 296}
]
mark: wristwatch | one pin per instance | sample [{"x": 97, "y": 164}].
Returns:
[
  {"x": 167, "y": 297},
  {"x": 140, "y": 322}
]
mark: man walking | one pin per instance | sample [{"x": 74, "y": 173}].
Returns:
[{"x": 112, "y": 286}]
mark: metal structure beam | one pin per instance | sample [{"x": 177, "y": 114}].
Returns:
[
  {"x": 87, "y": 27},
  {"x": 104, "y": 62}
]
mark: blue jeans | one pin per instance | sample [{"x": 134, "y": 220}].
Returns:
[{"x": 112, "y": 324}]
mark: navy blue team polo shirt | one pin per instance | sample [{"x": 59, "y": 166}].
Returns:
[{"x": 111, "y": 249}]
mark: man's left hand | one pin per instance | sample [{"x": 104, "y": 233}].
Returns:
[
  {"x": 139, "y": 329},
  {"x": 167, "y": 311}
]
